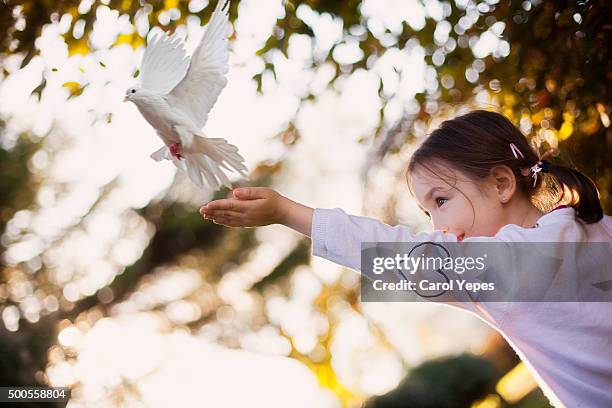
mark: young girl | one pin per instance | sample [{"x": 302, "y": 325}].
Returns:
[{"x": 477, "y": 176}]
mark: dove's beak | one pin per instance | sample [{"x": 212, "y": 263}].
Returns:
[{"x": 125, "y": 98}]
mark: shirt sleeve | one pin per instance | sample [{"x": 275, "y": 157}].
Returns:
[{"x": 337, "y": 236}]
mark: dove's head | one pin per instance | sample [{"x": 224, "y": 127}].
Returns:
[{"x": 133, "y": 93}]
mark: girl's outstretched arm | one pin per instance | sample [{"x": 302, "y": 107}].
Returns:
[
  {"x": 256, "y": 207},
  {"x": 335, "y": 235}
]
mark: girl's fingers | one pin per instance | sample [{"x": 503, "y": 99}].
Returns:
[
  {"x": 219, "y": 221},
  {"x": 227, "y": 222},
  {"x": 228, "y": 204},
  {"x": 224, "y": 214},
  {"x": 250, "y": 193},
  {"x": 228, "y": 218}
]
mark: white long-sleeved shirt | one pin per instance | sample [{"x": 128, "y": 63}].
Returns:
[{"x": 567, "y": 346}]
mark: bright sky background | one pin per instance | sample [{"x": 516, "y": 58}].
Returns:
[{"x": 323, "y": 170}]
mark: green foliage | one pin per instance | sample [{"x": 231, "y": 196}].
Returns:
[
  {"x": 22, "y": 21},
  {"x": 554, "y": 76},
  {"x": 452, "y": 382},
  {"x": 17, "y": 187},
  {"x": 300, "y": 255},
  {"x": 558, "y": 60}
]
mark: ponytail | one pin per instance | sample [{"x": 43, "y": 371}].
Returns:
[{"x": 579, "y": 192}]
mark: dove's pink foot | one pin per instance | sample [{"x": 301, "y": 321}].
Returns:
[{"x": 175, "y": 149}]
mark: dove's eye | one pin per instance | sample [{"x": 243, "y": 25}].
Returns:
[{"x": 133, "y": 91}]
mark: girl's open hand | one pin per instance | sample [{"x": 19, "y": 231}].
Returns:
[{"x": 249, "y": 207}]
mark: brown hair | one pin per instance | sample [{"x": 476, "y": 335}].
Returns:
[{"x": 476, "y": 142}]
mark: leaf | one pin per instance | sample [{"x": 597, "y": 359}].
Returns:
[
  {"x": 38, "y": 90},
  {"x": 74, "y": 88},
  {"x": 258, "y": 80},
  {"x": 27, "y": 58},
  {"x": 168, "y": 4},
  {"x": 300, "y": 255},
  {"x": 79, "y": 47},
  {"x": 136, "y": 73},
  {"x": 131, "y": 39},
  {"x": 124, "y": 39}
]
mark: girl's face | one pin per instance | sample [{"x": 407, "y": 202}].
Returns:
[{"x": 458, "y": 205}]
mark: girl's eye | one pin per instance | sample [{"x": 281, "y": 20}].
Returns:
[{"x": 440, "y": 201}]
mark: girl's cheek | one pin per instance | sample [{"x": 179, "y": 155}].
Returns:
[{"x": 464, "y": 213}]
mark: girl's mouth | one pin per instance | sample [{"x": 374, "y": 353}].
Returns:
[{"x": 460, "y": 237}]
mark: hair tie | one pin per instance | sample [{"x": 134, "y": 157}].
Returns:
[{"x": 541, "y": 166}]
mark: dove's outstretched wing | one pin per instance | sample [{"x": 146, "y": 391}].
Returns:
[
  {"x": 164, "y": 63},
  {"x": 198, "y": 91}
]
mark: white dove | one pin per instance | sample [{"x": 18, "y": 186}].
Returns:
[{"x": 176, "y": 94}]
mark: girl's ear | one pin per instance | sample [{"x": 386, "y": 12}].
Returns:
[{"x": 504, "y": 182}]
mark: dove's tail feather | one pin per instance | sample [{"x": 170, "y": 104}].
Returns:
[{"x": 208, "y": 157}]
